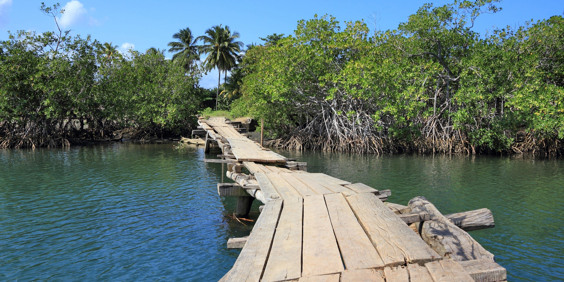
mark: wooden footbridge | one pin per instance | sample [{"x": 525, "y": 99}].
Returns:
[{"x": 314, "y": 227}]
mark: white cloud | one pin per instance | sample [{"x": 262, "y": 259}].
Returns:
[
  {"x": 5, "y": 3},
  {"x": 74, "y": 14},
  {"x": 126, "y": 47}
]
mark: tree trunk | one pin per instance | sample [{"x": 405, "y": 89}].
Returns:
[{"x": 218, "y": 81}]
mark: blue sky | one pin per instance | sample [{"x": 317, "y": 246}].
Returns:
[{"x": 144, "y": 24}]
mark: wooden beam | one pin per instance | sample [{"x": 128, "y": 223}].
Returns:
[
  {"x": 237, "y": 243},
  {"x": 230, "y": 190},
  {"x": 219, "y": 161},
  {"x": 473, "y": 220},
  {"x": 356, "y": 248},
  {"x": 320, "y": 250},
  {"x": 285, "y": 260},
  {"x": 395, "y": 241},
  {"x": 414, "y": 217},
  {"x": 252, "y": 259},
  {"x": 484, "y": 270},
  {"x": 444, "y": 237},
  {"x": 447, "y": 270}
]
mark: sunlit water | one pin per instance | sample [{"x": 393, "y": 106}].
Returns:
[{"x": 131, "y": 212}]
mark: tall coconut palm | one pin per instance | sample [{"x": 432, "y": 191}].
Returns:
[
  {"x": 186, "y": 49},
  {"x": 222, "y": 49}
]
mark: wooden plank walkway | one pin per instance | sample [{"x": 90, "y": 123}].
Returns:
[{"x": 315, "y": 227}]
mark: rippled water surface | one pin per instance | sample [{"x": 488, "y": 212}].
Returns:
[{"x": 130, "y": 212}]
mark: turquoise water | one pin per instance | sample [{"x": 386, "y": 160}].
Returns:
[{"x": 129, "y": 212}]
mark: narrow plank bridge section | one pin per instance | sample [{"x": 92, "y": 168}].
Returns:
[{"x": 314, "y": 227}]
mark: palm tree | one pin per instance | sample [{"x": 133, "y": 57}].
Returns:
[
  {"x": 222, "y": 51},
  {"x": 154, "y": 50},
  {"x": 109, "y": 50},
  {"x": 187, "y": 51}
]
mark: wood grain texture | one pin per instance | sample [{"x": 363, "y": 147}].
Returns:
[
  {"x": 361, "y": 188},
  {"x": 303, "y": 189},
  {"x": 312, "y": 184},
  {"x": 285, "y": 260},
  {"x": 394, "y": 240},
  {"x": 252, "y": 259},
  {"x": 419, "y": 273},
  {"x": 355, "y": 246},
  {"x": 321, "y": 278},
  {"x": 447, "y": 270},
  {"x": 397, "y": 208},
  {"x": 473, "y": 220},
  {"x": 320, "y": 251},
  {"x": 284, "y": 189},
  {"x": 446, "y": 238},
  {"x": 253, "y": 167},
  {"x": 323, "y": 181},
  {"x": 396, "y": 274},
  {"x": 362, "y": 275},
  {"x": 484, "y": 270},
  {"x": 266, "y": 187},
  {"x": 330, "y": 179}
]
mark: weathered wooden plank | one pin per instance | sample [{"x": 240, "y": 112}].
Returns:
[
  {"x": 253, "y": 167},
  {"x": 220, "y": 161},
  {"x": 303, "y": 189},
  {"x": 397, "y": 208},
  {"x": 362, "y": 275},
  {"x": 230, "y": 190},
  {"x": 266, "y": 186},
  {"x": 285, "y": 190},
  {"x": 285, "y": 261},
  {"x": 313, "y": 185},
  {"x": 445, "y": 237},
  {"x": 330, "y": 179},
  {"x": 237, "y": 243},
  {"x": 473, "y": 220},
  {"x": 396, "y": 274},
  {"x": 335, "y": 188},
  {"x": 409, "y": 218},
  {"x": 320, "y": 251},
  {"x": 252, "y": 259},
  {"x": 394, "y": 240},
  {"x": 447, "y": 270},
  {"x": 361, "y": 188},
  {"x": 419, "y": 273},
  {"x": 356, "y": 249},
  {"x": 484, "y": 270},
  {"x": 321, "y": 278}
]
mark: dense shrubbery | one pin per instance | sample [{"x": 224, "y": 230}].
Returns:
[
  {"x": 56, "y": 89},
  {"x": 432, "y": 85}
]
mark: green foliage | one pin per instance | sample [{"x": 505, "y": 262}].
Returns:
[
  {"x": 432, "y": 84},
  {"x": 54, "y": 86}
]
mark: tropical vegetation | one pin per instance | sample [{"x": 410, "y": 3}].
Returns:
[{"x": 431, "y": 85}]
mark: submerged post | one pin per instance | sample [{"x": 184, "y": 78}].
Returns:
[{"x": 244, "y": 204}]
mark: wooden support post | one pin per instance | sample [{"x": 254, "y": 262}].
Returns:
[
  {"x": 207, "y": 145},
  {"x": 244, "y": 206},
  {"x": 261, "y": 131}
]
